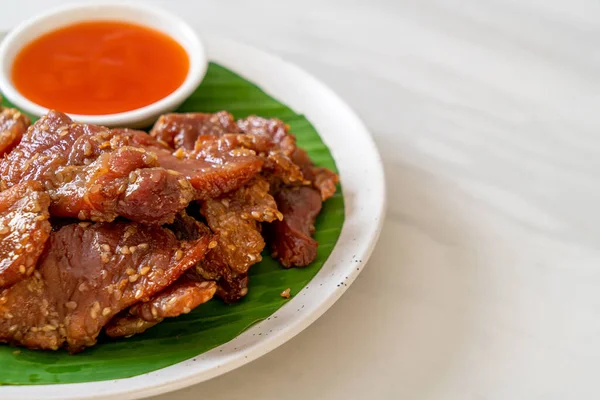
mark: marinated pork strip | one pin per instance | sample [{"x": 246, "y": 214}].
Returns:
[
  {"x": 125, "y": 182},
  {"x": 87, "y": 274},
  {"x": 231, "y": 286},
  {"x": 235, "y": 219},
  {"x": 276, "y": 164},
  {"x": 182, "y": 130},
  {"x": 279, "y": 166},
  {"x": 207, "y": 134},
  {"x": 274, "y": 129},
  {"x": 13, "y": 124},
  {"x": 24, "y": 230},
  {"x": 86, "y": 178},
  {"x": 180, "y": 298},
  {"x": 322, "y": 179},
  {"x": 291, "y": 239},
  {"x": 215, "y": 173},
  {"x": 212, "y": 172}
]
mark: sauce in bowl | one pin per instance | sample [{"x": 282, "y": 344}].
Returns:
[{"x": 101, "y": 67}]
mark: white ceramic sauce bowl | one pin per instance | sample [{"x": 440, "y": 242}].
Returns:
[{"x": 144, "y": 15}]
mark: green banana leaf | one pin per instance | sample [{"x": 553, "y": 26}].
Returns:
[{"x": 211, "y": 324}]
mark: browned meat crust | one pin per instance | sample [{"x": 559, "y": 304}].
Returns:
[
  {"x": 322, "y": 179},
  {"x": 212, "y": 171},
  {"x": 126, "y": 182},
  {"x": 231, "y": 286},
  {"x": 278, "y": 163},
  {"x": 234, "y": 219},
  {"x": 276, "y": 130},
  {"x": 24, "y": 229},
  {"x": 13, "y": 124},
  {"x": 291, "y": 239},
  {"x": 86, "y": 276},
  {"x": 182, "y": 130},
  {"x": 179, "y": 298},
  {"x": 210, "y": 134},
  {"x": 87, "y": 179}
]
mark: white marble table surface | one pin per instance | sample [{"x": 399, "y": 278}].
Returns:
[{"x": 486, "y": 281}]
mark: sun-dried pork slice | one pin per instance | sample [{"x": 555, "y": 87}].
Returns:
[
  {"x": 235, "y": 219},
  {"x": 217, "y": 173},
  {"x": 268, "y": 138},
  {"x": 276, "y": 163},
  {"x": 279, "y": 166},
  {"x": 87, "y": 178},
  {"x": 179, "y": 298},
  {"x": 322, "y": 179},
  {"x": 24, "y": 229},
  {"x": 274, "y": 129},
  {"x": 87, "y": 274},
  {"x": 231, "y": 286},
  {"x": 291, "y": 239},
  {"x": 13, "y": 124},
  {"x": 182, "y": 130},
  {"x": 212, "y": 172},
  {"x": 124, "y": 182}
]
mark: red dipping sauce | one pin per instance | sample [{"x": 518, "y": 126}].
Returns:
[{"x": 97, "y": 68}]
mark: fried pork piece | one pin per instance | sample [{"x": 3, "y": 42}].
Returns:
[
  {"x": 322, "y": 179},
  {"x": 215, "y": 172},
  {"x": 87, "y": 178},
  {"x": 235, "y": 219},
  {"x": 291, "y": 239},
  {"x": 87, "y": 274},
  {"x": 24, "y": 229},
  {"x": 279, "y": 166},
  {"x": 209, "y": 134},
  {"x": 212, "y": 172},
  {"x": 276, "y": 163},
  {"x": 125, "y": 182},
  {"x": 274, "y": 129},
  {"x": 13, "y": 124},
  {"x": 182, "y": 130},
  {"x": 179, "y": 298},
  {"x": 231, "y": 286}
]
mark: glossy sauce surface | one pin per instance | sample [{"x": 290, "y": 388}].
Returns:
[{"x": 97, "y": 68}]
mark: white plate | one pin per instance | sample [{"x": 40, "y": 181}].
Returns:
[{"x": 362, "y": 178}]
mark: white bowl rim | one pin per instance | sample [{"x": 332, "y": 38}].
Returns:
[{"x": 195, "y": 49}]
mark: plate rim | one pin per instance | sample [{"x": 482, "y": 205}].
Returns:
[{"x": 220, "y": 50}]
